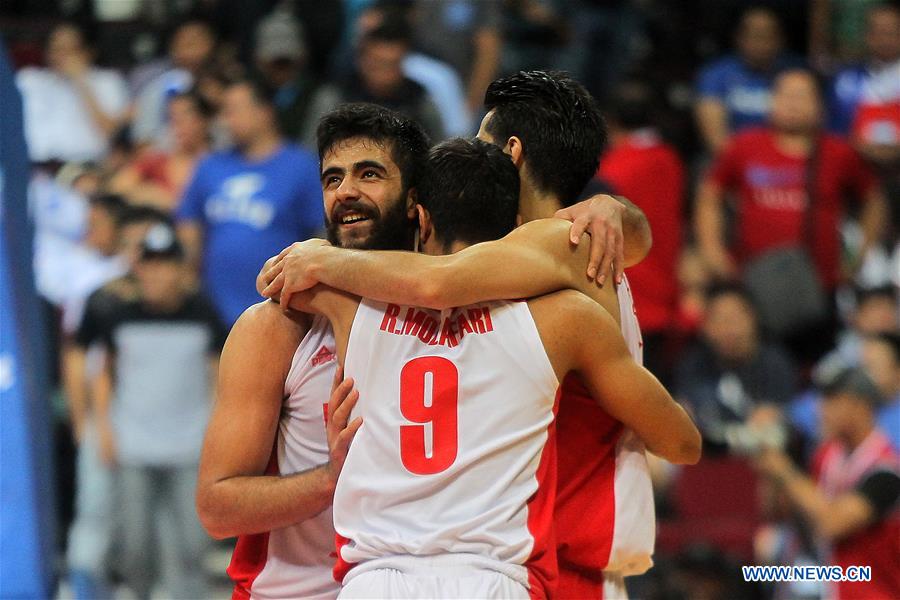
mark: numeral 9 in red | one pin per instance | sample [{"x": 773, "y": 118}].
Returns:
[{"x": 440, "y": 412}]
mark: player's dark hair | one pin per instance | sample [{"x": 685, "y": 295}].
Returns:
[
  {"x": 471, "y": 190},
  {"x": 112, "y": 204},
  {"x": 559, "y": 123},
  {"x": 404, "y": 138}
]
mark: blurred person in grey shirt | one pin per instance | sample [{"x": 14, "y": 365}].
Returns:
[{"x": 163, "y": 349}]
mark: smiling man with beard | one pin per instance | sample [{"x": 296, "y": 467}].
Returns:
[{"x": 276, "y": 373}]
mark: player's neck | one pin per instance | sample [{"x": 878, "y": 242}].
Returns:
[{"x": 534, "y": 204}]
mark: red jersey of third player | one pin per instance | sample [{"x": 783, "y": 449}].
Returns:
[{"x": 772, "y": 194}]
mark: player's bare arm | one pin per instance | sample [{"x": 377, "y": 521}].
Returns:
[
  {"x": 234, "y": 495},
  {"x": 580, "y": 337},
  {"x": 536, "y": 258},
  {"x": 337, "y": 306},
  {"x": 619, "y": 230}
]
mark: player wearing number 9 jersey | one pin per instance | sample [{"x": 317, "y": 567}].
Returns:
[
  {"x": 448, "y": 488},
  {"x": 552, "y": 130}
]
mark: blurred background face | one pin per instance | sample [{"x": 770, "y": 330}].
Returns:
[
  {"x": 837, "y": 412},
  {"x": 381, "y": 66},
  {"x": 759, "y": 38},
  {"x": 877, "y": 314},
  {"x": 730, "y": 327},
  {"x": 279, "y": 71},
  {"x": 188, "y": 126},
  {"x": 160, "y": 280},
  {"x": 883, "y": 34},
  {"x": 192, "y": 45},
  {"x": 65, "y": 42},
  {"x": 880, "y": 362},
  {"x": 796, "y": 106},
  {"x": 102, "y": 232},
  {"x": 244, "y": 117}
]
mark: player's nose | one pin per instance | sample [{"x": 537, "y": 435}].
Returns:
[{"x": 347, "y": 190}]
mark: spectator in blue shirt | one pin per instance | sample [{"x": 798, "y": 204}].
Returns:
[
  {"x": 862, "y": 94},
  {"x": 246, "y": 204},
  {"x": 734, "y": 91}
]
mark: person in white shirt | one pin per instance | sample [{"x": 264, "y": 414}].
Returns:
[{"x": 71, "y": 108}]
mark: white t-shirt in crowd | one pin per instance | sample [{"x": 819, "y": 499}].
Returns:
[{"x": 58, "y": 123}]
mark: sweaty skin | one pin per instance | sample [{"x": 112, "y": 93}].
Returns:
[{"x": 534, "y": 259}]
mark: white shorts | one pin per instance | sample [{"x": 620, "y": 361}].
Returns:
[{"x": 445, "y": 576}]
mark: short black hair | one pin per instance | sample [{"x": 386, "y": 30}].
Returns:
[
  {"x": 113, "y": 204},
  {"x": 730, "y": 288},
  {"x": 135, "y": 215},
  {"x": 471, "y": 190},
  {"x": 201, "y": 104},
  {"x": 403, "y": 137},
  {"x": 632, "y": 105},
  {"x": 392, "y": 29},
  {"x": 559, "y": 123},
  {"x": 263, "y": 93},
  {"x": 885, "y": 292}
]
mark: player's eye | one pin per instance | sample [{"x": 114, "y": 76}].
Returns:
[
  {"x": 332, "y": 181},
  {"x": 370, "y": 174}
]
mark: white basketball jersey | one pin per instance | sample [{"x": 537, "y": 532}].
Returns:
[
  {"x": 456, "y": 451},
  {"x": 296, "y": 561},
  {"x": 634, "y": 535}
]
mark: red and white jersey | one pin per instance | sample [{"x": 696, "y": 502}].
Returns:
[
  {"x": 605, "y": 515},
  {"x": 456, "y": 454},
  {"x": 295, "y": 561}
]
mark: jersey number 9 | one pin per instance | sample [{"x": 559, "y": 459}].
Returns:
[{"x": 440, "y": 413}]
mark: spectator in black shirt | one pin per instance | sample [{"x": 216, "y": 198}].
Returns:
[
  {"x": 733, "y": 377},
  {"x": 378, "y": 78},
  {"x": 163, "y": 349}
]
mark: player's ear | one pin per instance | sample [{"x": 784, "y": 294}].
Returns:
[
  {"x": 412, "y": 198},
  {"x": 515, "y": 150},
  {"x": 425, "y": 228}
]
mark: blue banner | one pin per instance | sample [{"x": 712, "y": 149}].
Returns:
[{"x": 27, "y": 518}]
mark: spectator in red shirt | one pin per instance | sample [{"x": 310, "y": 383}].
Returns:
[
  {"x": 641, "y": 166},
  {"x": 766, "y": 168}
]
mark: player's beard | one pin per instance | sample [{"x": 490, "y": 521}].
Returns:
[{"x": 391, "y": 229}]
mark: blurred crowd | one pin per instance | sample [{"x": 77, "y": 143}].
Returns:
[{"x": 173, "y": 146}]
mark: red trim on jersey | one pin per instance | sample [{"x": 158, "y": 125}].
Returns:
[
  {"x": 541, "y": 565},
  {"x": 341, "y": 566},
  {"x": 250, "y": 551},
  {"x": 586, "y": 501}
]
